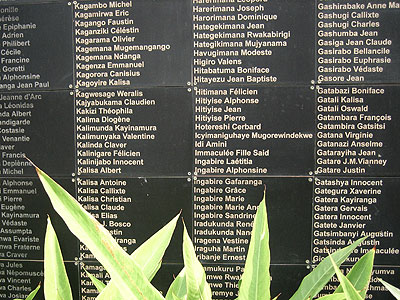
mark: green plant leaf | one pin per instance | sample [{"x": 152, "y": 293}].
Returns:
[
  {"x": 177, "y": 289},
  {"x": 360, "y": 273},
  {"x": 56, "y": 284},
  {"x": 97, "y": 283},
  {"x": 276, "y": 297},
  {"x": 392, "y": 289},
  {"x": 131, "y": 281},
  {"x": 147, "y": 256},
  {"x": 256, "y": 278},
  {"x": 32, "y": 294},
  {"x": 313, "y": 283},
  {"x": 196, "y": 284},
  {"x": 239, "y": 283},
  {"x": 338, "y": 296},
  {"x": 348, "y": 289}
]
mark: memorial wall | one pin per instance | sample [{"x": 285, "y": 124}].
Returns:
[{"x": 144, "y": 108}]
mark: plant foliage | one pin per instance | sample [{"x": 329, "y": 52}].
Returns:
[
  {"x": 131, "y": 274},
  {"x": 392, "y": 289}
]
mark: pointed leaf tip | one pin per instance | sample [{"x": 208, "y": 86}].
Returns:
[
  {"x": 56, "y": 284},
  {"x": 33, "y": 293},
  {"x": 255, "y": 284},
  {"x": 148, "y": 257},
  {"x": 130, "y": 278},
  {"x": 349, "y": 290},
  {"x": 196, "y": 283},
  {"x": 313, "y": 283},
  {"x": 277, "y": 296},
  {"x": 28, "y": 159}
]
